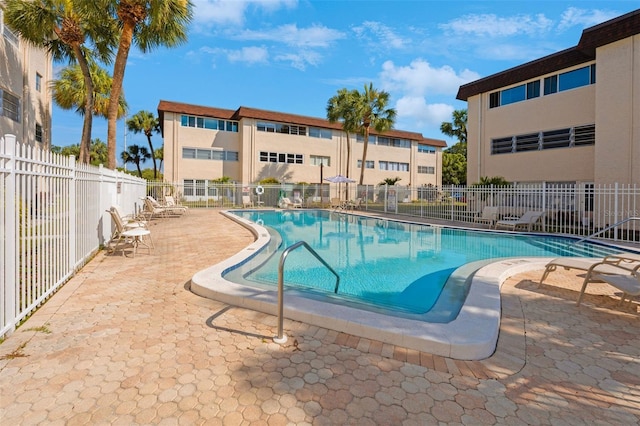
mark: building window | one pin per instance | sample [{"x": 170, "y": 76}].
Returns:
[
  {"x": 287, "y": 129},
  {"x": 9, "y": 106},
  {"x": 573, "y": 79},
  {"x": 316, "y": 160},
  {"x": 429, "y": 170},
  {"x": 316, "y": 132},
  {"x": 515, "y": 94},
  {"x": 38, "y": 82},
  {"x": 502, "y": 145},
  {"x": 38, "y": 133},
  {"x": 278, "y": 157},
  {"x": 426, "y": 148},
  {"x": 394, "y": 166},
  {"x": 533, "y": 89},
  {"x": 209, "y": 154},
  {"x": 209, "y": 123},
  {"x": 368, "y": 164},
  {"x": 550, "y": 85},
  {"x": 494, "y": 100},
  {"x": 8, "y": 33}
]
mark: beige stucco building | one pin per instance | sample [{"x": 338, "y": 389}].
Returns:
[
  {"x": 25, "y": 98},
  {"x": 573, "y": 116},
  {"x": 248, "y": 145}
]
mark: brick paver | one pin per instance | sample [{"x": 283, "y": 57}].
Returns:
[{"x": 126, "y": 342}]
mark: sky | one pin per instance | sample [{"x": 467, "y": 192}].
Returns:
[{"x": 292, "y": 56}]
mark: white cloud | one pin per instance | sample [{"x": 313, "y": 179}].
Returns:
[
  {"x": 211, "y": 12},
  {"x": 574, "y": 16},
  {"x": 290, "y": 34},
  {"x": 300, "y": 60},
  {"x": 491, "y": 25},
  {"x": 251, "y": 55},
  {"x": 420, "y": 78},
  {"x": 380, "y": 35},
  {"x": 421, "y": 113}
]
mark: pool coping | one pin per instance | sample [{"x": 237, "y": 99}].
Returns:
[{"x": 473, "y": 335}]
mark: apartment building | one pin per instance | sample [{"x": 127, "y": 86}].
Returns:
[
  {"x": 25, "y": 98},
  {"x": 571, "y": 117},
  {"x": 248, "y": 144}
]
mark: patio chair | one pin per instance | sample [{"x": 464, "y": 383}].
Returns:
[
  {"x": 246, "y": 201},
  {"x": 613, "y": 264},
  {"x": 127, "y": 236},
  {"x": 355, "y": 204},
  {"x": 170, "y": 202},
  {"x": 628, "y": 284},
  {"x": 129, "y": 221},
  {"x": 286, "y": 203},
  {"x": 335, "y": 203},
  {"x": 489, "y": 216},
  {"x": 174, "y": 209},
  {"x": 527, "y": 220}
]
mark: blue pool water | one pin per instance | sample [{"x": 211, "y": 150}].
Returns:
[{"x": 384, "y": 264}]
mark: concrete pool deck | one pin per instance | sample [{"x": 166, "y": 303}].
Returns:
[{"x": 126, "y": 342}]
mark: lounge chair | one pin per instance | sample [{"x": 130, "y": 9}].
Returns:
[
  {"x": 336, "y": 203},
  {"x": 489, "y": 216},
  {"x": 170, "y": 209},
  {"x": 355, "y": 204},
  {"x": 246, "y": 201},
  {"x": 527, "y": 220},
  {"x": 612, "y": 264},
  {"x": 628, "y": 284},
  {"x": 170, "y": 202},
  {"x": 128, "y": 236},
  {"x": 286, "y": 203}
]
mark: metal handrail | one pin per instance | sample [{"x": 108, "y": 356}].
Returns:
[
  {"x": 281, "y": 338},
  {"x": 607, "y": 228}
]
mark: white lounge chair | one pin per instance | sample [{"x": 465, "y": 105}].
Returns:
[
  {"x": 286, "y": 203},
  {"x": 612, "y": 264},
  {"x": 527, "y": 220},
  {"x": 489, "y": 216},
  {"x": 246, "y": 201},
  {"x": 170, "y": 202},
  {"x": 628, "y": 284}
]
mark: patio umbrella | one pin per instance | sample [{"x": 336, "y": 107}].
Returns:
[{"x": 339, "y": 179}]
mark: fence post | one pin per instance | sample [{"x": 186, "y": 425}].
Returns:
[
  {"x": 10, "y": 279},
  {"x": 615, "y": 211},
  {"x": 544, "y": 205},
  {"x": 71, "y": 162}
]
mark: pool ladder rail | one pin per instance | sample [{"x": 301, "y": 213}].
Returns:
[
  {"x": 281, "y": 337},
  {"x": 615, "y": 225}
]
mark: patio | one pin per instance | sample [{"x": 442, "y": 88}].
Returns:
[{"x": 126, "y": 342}]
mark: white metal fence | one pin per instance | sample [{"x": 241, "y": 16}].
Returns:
[
  {"x": 52, "y": 220},
  {"x": 580, "y": 210}
]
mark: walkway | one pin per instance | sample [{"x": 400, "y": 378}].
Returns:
[{"x": 126, "y": 342}]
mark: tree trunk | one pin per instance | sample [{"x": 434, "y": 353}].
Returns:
[
  {"x": 364, "y": 153},
  {"x": 85, "y": 141},
  {"x": 153, "y": 157},
  {"x": 116, "y": 89}
]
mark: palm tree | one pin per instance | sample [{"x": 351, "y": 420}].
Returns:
[
  {"x": 148, "y": 24},
  {"x": 69, "y": 90},
  {"x": 64, "y": 27},
  {"x": 135, "y": 154},
  {"x": 147, "y": 123},
  {"x": 158, "y": 154},
  {"x": 99, "y": 152},
  {"x": 372, "y": 112},
  {"x": 457, "y": 129},
  {"x": 343, "y": 107}
]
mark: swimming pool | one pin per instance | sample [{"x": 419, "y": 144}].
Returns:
[
  {"x": 402, "y": 268},
  {"x": 471, "y": 335}
]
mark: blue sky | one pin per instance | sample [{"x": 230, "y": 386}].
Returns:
[{"x": 293, "y": 55}]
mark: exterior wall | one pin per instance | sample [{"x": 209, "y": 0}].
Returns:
[
  {"x": 575, "y": 107},
  {"x": 20, "y": 63},
  {"x": 249, "y": 142},
  {"x": 618, "y": 118}
]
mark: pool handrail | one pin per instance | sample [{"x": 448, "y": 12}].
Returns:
[
  {"x": 607, "y": 228},
  {"x": 281, "y": 338}
]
